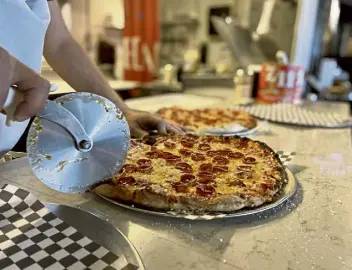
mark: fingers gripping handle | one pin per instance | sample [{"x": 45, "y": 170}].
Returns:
[{"x": 13, "y": 99}]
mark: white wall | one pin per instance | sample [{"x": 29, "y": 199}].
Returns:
[
  {"x": 201, "y": 9},
  {"x": 305, "y": 27},
  {"x": 78, "y": 27},
  {"x": 99, "y": 10},
  {"x": 102, "y": 8},
  {"x": 215, "y": 47}
]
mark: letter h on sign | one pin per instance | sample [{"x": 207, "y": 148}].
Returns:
[{"x": 141, "y": 39}]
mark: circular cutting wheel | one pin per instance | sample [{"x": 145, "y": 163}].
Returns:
[{"x": 52, "y": 150}]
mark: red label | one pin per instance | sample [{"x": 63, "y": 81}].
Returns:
[
  {"x": 141, "y": 39},
  {"x": 280, "y": 83}
]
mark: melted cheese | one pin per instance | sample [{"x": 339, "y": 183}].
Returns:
[
  {"x": 220, "y": 117},
  {"x": 163, "y": 174}
]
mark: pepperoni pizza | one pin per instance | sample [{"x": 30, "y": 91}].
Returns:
[
  {"x": 205, "y": 119},
  {"x": 197, "y": 174}
]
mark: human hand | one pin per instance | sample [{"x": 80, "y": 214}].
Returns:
[
  {"x": 141, "y": 123},
  {"x": 28, "y": 92}
]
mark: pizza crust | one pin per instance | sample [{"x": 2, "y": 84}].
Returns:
[
  {"x": 156, "y": 192},
  {"x": 163, "y": 201}
]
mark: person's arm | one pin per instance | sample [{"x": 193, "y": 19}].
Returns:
[{"x": 70, "y": 61}]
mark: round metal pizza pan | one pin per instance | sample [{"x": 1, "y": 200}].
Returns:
[
  {"x": 288, "y": 191},
  {"x": 99, "y": 230},
  {"x": 246, "y": 132}
]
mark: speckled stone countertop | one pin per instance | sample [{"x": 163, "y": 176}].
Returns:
[{"x": 313, "y": 231}]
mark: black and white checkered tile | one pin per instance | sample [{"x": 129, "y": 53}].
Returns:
[
  {"x": 31, "y": 237},
  {"x": 292, "y": 114},
  {"x": 286, "y": 156}
]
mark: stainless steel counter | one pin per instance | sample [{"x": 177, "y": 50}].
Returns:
[{"x": 314, "y": 231}]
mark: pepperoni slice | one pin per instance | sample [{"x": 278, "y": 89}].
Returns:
[
  {"x": 126, "y": 180},
  {"x": 225, "y": 140},
  {"x": 245, "y": 168},
  {"x": 173, "y": 159},
  {"x": 187, "y": 178},
  {"x": 154, "y": 149},
  {"x": 244, "y": 142},
  {"x": 180, "y": 188},
  {"x": 237, "y": 183},
  {"x": 133, "y": 144},
  {"x": 210, "y": 121},
  {"x": 170, "y": 144},
  {"x": 128, "y": 168},
  {"x": 152, "y": 154},
  {"x": 212, "y": 153},
  {"x": 220, "y": 169},
  {"x": 235, "y": 155},
  {"x": 249, "y": 160},
  {"x": 184, "y": 167},
  {"x": 187, "y": 144},
  {"x": 166, "y": 155},
  {"x": 205, "y": 190},
  {"x": 204, "y": 147},
  {"x": 208, "y": 139},
  {"x": 235, "y": 113},
  {"x": 197, "y": 157},
  {"x": 206, "y": 167},
  {"x": 266, "y": 186},
  {"x": 191, "y": 137},
  {"x": 206, "y": 176},
  {"x": 185, "y": 152},
  {"x": 220, "y": 160},
  {"x": 144, "y": 162},
  {"x": 224, "y": 152},
  {"x": 145, "y": 168}
]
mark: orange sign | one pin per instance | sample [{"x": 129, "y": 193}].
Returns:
[{"x": 141, "y": 40}]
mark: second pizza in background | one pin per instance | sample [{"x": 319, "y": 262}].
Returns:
[{"x": 210, "y": 120}]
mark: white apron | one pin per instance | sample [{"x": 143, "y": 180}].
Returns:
[{"x": 23, "y": 24}]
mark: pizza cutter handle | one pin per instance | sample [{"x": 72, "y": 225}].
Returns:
[{"x": 57, "y": 114}]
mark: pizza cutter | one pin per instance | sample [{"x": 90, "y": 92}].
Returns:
[{"x": 77, "y": 141}]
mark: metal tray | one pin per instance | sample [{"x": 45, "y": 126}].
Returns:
[
  {"x": 287, "y": 192},
  {"x": 261, "y": 125},
  {"x": 99, "y": 230}
]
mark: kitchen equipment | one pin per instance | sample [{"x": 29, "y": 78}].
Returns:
[
  {"x": 261, "y": 35},
  {"x": 13, "y": 99},
  {"x": 77, "y": 141},
  {"x": 243, "y": 81},
  {"x": 169, "y": 74},
  {"x": 281, "y": 57},
  {"x": 101, "y": 231},
  {"x": 239, "y": 40},
  {"x": 329, "y": 72}
]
